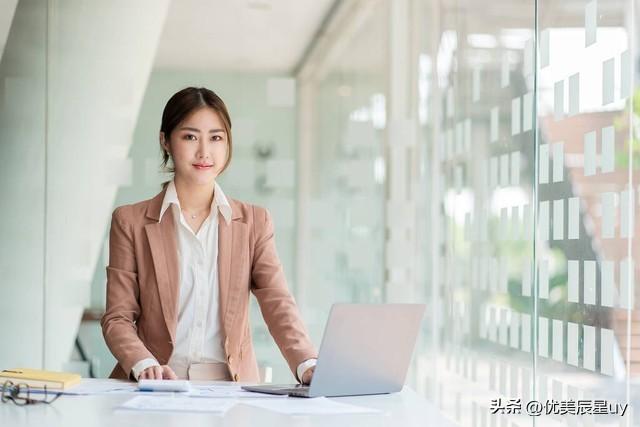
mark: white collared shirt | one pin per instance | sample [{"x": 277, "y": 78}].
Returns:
[{"x": 198, "y": 333}]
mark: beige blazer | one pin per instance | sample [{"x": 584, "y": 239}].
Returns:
[{"x": 143, "y": 285}]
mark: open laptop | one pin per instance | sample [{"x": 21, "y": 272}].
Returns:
[{"x": 366, "y": 349}]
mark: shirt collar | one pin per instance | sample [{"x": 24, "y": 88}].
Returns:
[{"x": 219, "y": 202}]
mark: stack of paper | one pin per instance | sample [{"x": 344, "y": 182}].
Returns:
[{"x": 178, "y": 404}]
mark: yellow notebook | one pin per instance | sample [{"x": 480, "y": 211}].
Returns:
[{"x": 38, "y": 379}]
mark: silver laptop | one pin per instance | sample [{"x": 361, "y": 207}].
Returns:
[{"x": 366, "y": 349}]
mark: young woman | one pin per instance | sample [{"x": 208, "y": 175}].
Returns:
[{"x": 181, "y": 265}]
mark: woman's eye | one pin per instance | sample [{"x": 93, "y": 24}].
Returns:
[
  {"x": 191, "y": 137},
  {"x": 216, "y": 138}
]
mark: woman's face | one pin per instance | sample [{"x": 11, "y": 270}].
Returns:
[{"x": 199, "y": 147}]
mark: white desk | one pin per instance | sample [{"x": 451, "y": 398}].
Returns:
[{"x": 402, "y": 409}]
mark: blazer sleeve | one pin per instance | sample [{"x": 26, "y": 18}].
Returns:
[
  {"x": 276, "y": 303},
  {"x": 123, "y": 307}
]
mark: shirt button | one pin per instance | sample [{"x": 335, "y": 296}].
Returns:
[
  {"x": 230, "y": 359},
  {"x": 235, "y": 377}
]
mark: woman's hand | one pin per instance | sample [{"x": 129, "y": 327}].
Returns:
[
  {"x": 163, "y": 372},
  {"x": 308, "y": 374}
]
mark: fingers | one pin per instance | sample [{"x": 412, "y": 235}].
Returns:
[
  {"x": 168, "y": 374},
  {"x": 157, "y": 372},
  {"x": 151, "y": 373},
  {"x": 308, "y": 374}
]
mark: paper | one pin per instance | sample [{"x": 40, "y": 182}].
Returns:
[
  {"x": 316, "y": 405},
  {"x": 102, "y": 386},
  {"x": 229, "y": 391},
  {"x": 178, "y": 404}
]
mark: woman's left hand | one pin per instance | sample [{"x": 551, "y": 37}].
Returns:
[{"x": 308, "y": 374}]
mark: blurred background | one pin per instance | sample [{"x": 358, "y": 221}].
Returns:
[{"x": 478, "y": 157}]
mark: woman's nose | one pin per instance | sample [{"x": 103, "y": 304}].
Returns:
[{"x": 202, "y": 150}]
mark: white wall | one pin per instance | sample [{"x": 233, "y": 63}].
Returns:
[
  {"x": 100, "y": 58},
  {"x": 22, "y": 151},
  {"x": 7, "y": 9}
]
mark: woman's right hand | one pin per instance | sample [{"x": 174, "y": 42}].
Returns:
[{"x": 163, "y": 372}]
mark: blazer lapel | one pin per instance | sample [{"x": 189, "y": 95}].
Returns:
[
  {"x": 231, "y": 238},
  {"x": 164, "y": 252}
]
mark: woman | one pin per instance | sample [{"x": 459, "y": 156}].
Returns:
[{"x": 181, "y": 265}]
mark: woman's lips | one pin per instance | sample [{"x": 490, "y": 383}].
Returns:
[{"x": 202, "y": 167}]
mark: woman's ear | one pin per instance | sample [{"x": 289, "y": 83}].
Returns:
[{"x": 163, "y": 142}]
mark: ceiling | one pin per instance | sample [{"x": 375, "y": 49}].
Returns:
[{"x": 247, "y": 35}]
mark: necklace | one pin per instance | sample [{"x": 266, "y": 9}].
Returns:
[{"x": 193, "y": 215}]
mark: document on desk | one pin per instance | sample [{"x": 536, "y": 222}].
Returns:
[
  {"x": 178, "y": 404},
  {"x": 100, "y": 386},
  {"x": 229, "y": 391},
  {"x": 312, "y": 406}
]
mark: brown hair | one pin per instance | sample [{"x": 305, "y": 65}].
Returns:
[{"x": 185, "y": 102}]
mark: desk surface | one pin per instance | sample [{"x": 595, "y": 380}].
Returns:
[{"x": 405, "y": 409}]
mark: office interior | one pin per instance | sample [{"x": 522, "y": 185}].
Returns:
[{"x": 478, "y": 157}]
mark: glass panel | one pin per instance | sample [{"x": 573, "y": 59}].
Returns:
[
  {"x": 476, "y": 109},
  {"x": 584, "y": 83},
  {"x": 345, "y": 172}
]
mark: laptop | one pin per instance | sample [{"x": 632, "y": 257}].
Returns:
[{"x": 366, "y": 349}]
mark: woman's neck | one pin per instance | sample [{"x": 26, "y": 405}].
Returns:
[{"x": 194, "y": 198}]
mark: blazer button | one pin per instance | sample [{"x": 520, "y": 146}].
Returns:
[
  {"x": 235, "y": 377},
  {"x": 230, "y": 359}
]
